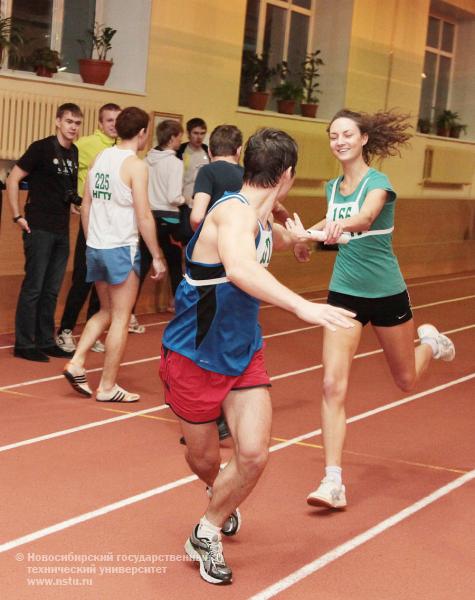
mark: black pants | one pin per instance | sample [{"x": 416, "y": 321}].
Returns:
[
  {"x": 172, "y": 252},
  {"x": 79, "y": 290},
  {"x": 46, "y": 256}
]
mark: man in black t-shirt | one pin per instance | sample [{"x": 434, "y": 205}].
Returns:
[
  {"x": 51, "y": 165},
  {"x": 223, "y": 174}
]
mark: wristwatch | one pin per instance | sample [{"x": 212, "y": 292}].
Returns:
[{"x": 15, "y": 219}]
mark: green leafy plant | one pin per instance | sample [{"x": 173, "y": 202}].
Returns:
[
  {"x": 10, "y": 37},
  {"x": 45, "y": 57},
  {"x": 424, "y": 125},
  {"x": 288, "y": 91},
  {"x": 310, "y": 72},
  {"x": 256, "y": 72},
  {"x": 101, "y": 37}
]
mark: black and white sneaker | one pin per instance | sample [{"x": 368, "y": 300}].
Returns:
[
  {"x": 209, "y": 553},
  {"x": 233, "y": 523}
]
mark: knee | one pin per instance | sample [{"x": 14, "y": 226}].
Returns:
[
  {"x": 252, "y": 460},
  {"x": 334, "y": 389},
  {"x": 405, "y": 381},
  {"x": 203, "y": 461}
]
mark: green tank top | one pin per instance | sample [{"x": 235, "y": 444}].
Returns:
[{"x": 366, "y": 266}]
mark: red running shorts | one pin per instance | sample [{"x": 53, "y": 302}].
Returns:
[{"x": 195, "y": 394}]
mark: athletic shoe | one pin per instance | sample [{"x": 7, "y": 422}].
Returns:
[
  {"x": 233, "y": 523},
  {"x": 65, "y": 340},
  {"x": 78, "y": 382},
  {"x": 209, "y": 553},
  {"x": 134, "y": 326},
  {"x": 223, "y": 429},
  {"x": 98, "y": 347},
  {"x": 117, "y": 394},
  {"x": 329, "y": 493},
  {"x": 445, "y": 347}
]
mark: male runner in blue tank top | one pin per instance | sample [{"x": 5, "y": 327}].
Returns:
[{"x": 212, "y": 356}]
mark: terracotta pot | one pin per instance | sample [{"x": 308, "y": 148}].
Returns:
[
  {"x": 94, "y": 71},
  {"x": 258, "y": 100},
  {"x": 287, "y": 107},
  {"x": 42, "y": 71},
  {"x": 443, "y": 131},
  {"x": 308, "y": 110}
]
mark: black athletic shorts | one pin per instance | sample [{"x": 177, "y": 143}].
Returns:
[{"x": 382, "y": 312}]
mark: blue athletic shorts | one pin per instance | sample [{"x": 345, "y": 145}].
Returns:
[{"x": 112, "y": 265}]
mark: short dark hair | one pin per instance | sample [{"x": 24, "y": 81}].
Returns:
[
  {"x": 109, "y": 106},
  {"x": 166, "y": 130},
  {"x": 225, "y": 140},
  {"x": 268, "y": 154},
  {"x": 68, "y": 107},
  {"x": 130, "y": 121},
  {"x": 195, "y": 122}
]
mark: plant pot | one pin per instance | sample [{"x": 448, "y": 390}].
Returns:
[
  {"x": 443, "y": 131},
  {"x": 308, "y": 110},
  {"x": 455, "y": 131},
  {"x": 258, "y": 100},
  {"x": 43, "y": 71},
  {"x": 287, "y": 107},
  {"x": 94, "y": 71}
]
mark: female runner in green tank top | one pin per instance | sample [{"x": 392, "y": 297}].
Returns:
[{"x": 366, "y": 278}]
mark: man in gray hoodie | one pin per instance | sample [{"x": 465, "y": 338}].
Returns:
[{"x": 165, "y": 195}]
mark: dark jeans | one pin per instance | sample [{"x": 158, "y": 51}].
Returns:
[
  {"x": 172, "y": 253},
  {"x": 46, "y": 255},
  {"x": 79, "y": 290}
]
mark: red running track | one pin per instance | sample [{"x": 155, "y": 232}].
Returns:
[{"x": 97, "y": 502}]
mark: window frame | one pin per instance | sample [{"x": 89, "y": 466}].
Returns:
[
  {"x": 289, "y": 7},
  {"x": 57, "y": 21},
  {"x": 438, "y": 52}
]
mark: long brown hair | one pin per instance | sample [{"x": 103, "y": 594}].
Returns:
[{"x": 386, "y": 130}]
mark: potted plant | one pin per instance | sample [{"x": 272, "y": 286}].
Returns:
[
  {"x": 424, "y": 125},
  {"x": 456, "y": 129},
  {"x": 287, "y": 93},
  {"x": 10, "y": 38},
  {"x": 45, "y": 61},
  {"x": 255, "y": 77},
  {"x": 97, "y": 70},
  {"x": 309, "y": 76},
  {"x": 444, "y": 122}
]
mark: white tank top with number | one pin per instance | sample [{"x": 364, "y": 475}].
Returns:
[{"x": 112, "y": 221}]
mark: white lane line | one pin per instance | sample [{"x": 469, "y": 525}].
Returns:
[
  {"x": 375, "y": 411},
  {"x": 183, "y": 481},
  {"x": 362, "y": 538},
  {"x": 318, "y": 299},
  {"x": 56, "y": 434},
  {"x": 63, "y": 432}
]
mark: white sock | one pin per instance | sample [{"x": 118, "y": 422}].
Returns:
[
  {"x": 432, "y": 343},
  {"x": 207, "y": 529},
  {"x": 333, "y": 473}
]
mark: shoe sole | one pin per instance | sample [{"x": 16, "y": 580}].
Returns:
[
  {"x": 313, "y": 501},
  {"x": 238, "y": 520},
  {"x": 70, "y": 378},
  {"x": 194, "y": 555}
]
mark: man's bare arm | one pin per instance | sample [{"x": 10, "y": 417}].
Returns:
[
  {"x": 236, "y": 248},
  {"x": 201, "y": 201},
  {"x": 13, "y": 186}
]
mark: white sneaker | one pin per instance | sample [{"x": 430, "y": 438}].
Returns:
[
  {"x": 65, "y": 340},
  {"x": 329, "y": 493},
  {"x": 445, "y": 346},
  {"x": 134, "y": 326},
  {"x": 98, "y": 347},
  {"x": 117, "y": 394}
]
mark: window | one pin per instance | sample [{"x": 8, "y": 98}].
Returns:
[
  {"x": 438, "y": 66},
  {"x": 57, "y": 24},
  {"x": 281, "y": 30}
]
